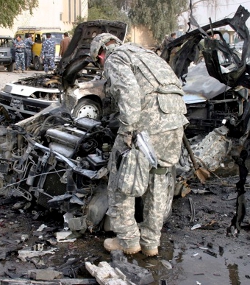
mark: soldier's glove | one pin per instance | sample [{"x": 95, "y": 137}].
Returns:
[{"x": 127, "y": 138}]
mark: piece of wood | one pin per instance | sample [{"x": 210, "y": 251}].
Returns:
[{"x": 64, "y": 281}]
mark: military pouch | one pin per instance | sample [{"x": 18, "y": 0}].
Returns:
[
  {"x": 172, "y": 103},
  {"x": 133, "y": 173}
]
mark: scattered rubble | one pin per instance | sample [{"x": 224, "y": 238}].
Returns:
[
  {"x": 44, "y": 274},
  {"x": 119, "y": 272},
  {"x": 36, "y": 240},
  {"x": 24, "y": 255}
]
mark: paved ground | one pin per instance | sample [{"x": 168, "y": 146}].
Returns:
[{"x": 6, "y": 77}]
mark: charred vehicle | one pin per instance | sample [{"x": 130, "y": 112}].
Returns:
[
  {"x": 215, "y": 78},
  {"x": 60, "y": 160},
  {"x": 216, "y": 88}
]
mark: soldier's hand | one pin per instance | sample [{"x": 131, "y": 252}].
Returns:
[{"x": 127, "y": 138}]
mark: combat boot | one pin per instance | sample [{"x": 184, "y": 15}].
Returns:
[
  {"x": 113, "y": 244},
  {"x": 149, "y": 251}
]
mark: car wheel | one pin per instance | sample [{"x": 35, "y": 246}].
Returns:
[
  {"x": 87, "y": 108},
  {"x": 10, "y": 68},
  {"x": 37, "y": 64}
]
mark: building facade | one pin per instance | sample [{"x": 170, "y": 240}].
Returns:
[{"x": 51, "y": 13}]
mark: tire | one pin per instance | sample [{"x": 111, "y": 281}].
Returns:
[
  {"x": 87, "y": 108},
  {"x": 37, "y": 64},
  {"x": 10, "y": 68}
]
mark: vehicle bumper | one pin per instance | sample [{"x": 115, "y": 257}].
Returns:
[
  {"x": 5, "y": 61},
  {"x": 27, "y": 106}
]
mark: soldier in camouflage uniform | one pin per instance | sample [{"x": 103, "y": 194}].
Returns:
[
  {"x": 48, "y": 53},
  {"x": 28, "y": 54},
  {"x": 19, "y": 53},
  {"x": 149, "y": 98}
]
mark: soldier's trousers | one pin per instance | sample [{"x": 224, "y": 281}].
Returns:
[{"x": 157, "y": 202}]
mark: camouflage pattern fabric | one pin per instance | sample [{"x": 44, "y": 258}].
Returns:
[
  {"x": 148, "y": 94},
  {"x": 133, "y": 173},
  {"x": 99, "y": 43},
  {"x": 149, "y": 98},
  {"x": 157, "y": 198},
  {"x": 48, "y": 54},
  {"x": 144, "y": 86},
  {"x": 28, "y": 54},
  {"x": 19, "y": 54}
]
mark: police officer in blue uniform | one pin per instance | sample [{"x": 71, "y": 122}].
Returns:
[
  {"x": 19, "y": 53},
  {"x": 28, "y": 53},
  {"x": 48, "y": 53}
]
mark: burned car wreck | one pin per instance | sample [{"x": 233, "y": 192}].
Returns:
[
  {"x": 75, "y": 76},
  {"x": 60, "y": 163},
  {"x": 215, "y": 80},
  {"x": 60, "y": 159},
  {"x": 221, "y": 91}
]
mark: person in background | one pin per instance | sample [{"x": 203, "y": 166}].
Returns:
[
  {"x": 64, "y": 43},
  {"x": 168, "y": 39},
  {"x": 28, "y": 54},
  {"x": 48, "y": 53},
  {"x": 19, "y": 53},
  {"x": 148, "y": 96}
]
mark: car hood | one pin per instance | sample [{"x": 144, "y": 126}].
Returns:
[{"x": 77, "y": 56}]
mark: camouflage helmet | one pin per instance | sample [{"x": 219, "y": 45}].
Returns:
[{"x": 99, "y": 42}]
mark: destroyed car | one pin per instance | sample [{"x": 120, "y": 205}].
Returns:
[
  {"x": 60, "y": 161},
  {"x": 216, "y": 90},
  {"x": 75, "y": 74},
  {"x": 215, "y": 78}
]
